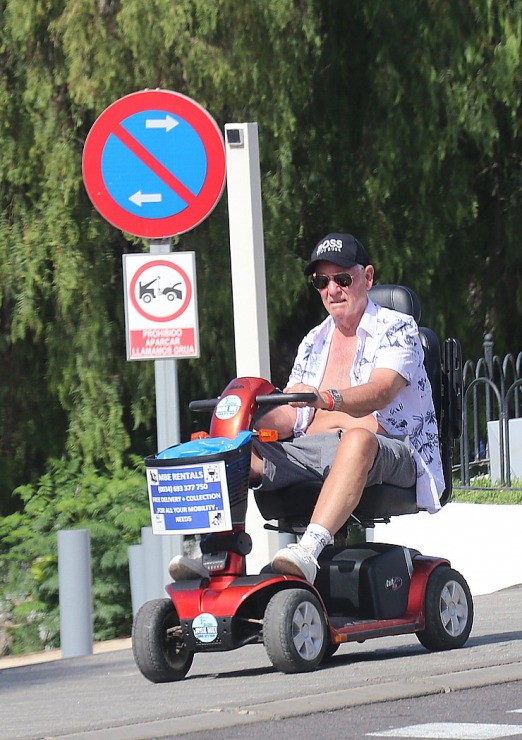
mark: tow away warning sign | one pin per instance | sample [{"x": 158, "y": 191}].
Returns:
[{"x": 160, "y": 306}]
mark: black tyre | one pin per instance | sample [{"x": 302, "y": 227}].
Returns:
[
  {"x": 157, "y": 642},
  {"x": 331, "y": 649},
  {"x": 449, "y": 610},
  {"x": 294, "y": 631}
]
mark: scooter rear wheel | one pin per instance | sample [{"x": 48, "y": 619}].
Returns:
[
  {"x": 157, "y": 642},
  {"x": 448, "y": 609},
  {"x": 294, "y": 631}
]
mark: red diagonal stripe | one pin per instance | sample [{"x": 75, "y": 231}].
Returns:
[{"x": 153, "y": 164}]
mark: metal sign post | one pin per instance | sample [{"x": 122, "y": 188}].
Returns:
[
  {"x": 167, "y": 430},
  {"x": 166, "y": 374}
]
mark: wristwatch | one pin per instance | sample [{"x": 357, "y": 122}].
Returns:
[{"x": 338, "y": 399}]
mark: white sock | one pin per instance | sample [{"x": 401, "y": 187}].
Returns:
[{"x": 315, "y": 539}]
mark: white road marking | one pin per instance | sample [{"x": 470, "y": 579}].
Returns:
[{"x": 453, "y": 731}]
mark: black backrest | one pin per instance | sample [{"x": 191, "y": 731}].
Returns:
[{"x": 398, "y": 297}]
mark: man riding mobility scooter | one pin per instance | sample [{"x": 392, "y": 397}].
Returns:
[{"x": 361, "y": 591}]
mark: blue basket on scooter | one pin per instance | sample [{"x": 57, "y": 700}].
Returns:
[{"x": 235, "y": 453}]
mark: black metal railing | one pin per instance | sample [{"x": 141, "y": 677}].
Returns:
[{"x": 492, "y": 393}]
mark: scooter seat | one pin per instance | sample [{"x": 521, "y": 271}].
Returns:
[{"x": 297, "y": 502}]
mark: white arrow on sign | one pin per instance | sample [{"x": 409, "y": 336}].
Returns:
[
  {"x": 167, "y": 123},
  {"x": 139, "y": 198}
]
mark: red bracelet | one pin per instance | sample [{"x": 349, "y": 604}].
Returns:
[{"x": 330, "y": 399}]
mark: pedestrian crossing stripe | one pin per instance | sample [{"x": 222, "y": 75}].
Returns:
[{"x": 453, "y": 731}]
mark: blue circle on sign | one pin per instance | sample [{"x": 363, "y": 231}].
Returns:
[{"x": 142, "y": 188}]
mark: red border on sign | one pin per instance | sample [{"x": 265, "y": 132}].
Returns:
[
  {"x": 109, "y": 123},
  {"x": 160, "y": 263}
]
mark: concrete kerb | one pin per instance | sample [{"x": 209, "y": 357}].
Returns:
[{"x": 46, "y": 656}]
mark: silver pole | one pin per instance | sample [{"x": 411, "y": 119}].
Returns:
[
  {"x": 137, "y": 577},
  {"x": 166, "y": 373},
  {"x": 167, "y": 434},
  {"x": 75, "y": 592},
  {"x": 155, "y": 576}
]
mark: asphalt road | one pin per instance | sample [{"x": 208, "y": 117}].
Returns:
[
  {"x": 474, "y": 714},
  {"x": 104, "y": 697}
]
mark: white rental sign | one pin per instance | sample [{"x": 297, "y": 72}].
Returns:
[
  {"x": 187, "y": 499},
  {"x": 161, "y": 306}
]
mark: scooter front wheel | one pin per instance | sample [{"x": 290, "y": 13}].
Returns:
[
  {"x": 448, "y": 610},
  {"x": 294, "y": 631},
  {"x": 157, "y": 642}
]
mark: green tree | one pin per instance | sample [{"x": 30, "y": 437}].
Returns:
[
  {"x": 62, "y": 311},
  {"x": 397, "y": 121},
  {"x": 443, "y": 177}
]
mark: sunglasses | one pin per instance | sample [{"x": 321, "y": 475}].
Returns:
[{"x": 343, "y": 279}]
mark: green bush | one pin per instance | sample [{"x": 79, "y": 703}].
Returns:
[{"x": 68, "y": 496}]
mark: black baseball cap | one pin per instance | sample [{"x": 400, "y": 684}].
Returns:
[{"x": 342, "y": 249}]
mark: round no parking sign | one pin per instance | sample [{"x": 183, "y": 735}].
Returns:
[{"x": 154, "y": 164}]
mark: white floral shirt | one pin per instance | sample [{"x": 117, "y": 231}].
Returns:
[{"x": 385, "y": 339}]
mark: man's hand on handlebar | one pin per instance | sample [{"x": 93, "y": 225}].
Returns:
[{"x": 321, "y": 401}]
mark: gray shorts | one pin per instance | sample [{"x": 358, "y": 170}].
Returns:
[{"x": 310, "y": 458}]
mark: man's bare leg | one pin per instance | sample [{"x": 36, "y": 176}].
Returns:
[
  {"x": 344, "y": 485},
  {"x": 340, "y": 494}
]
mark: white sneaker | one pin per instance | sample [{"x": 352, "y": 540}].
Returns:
[
  {"x": 182, "y": 568},
  {"x": 295, "y": 560}
]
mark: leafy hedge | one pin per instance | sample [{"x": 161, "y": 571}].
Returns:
[{"x": 69, "y": 496}]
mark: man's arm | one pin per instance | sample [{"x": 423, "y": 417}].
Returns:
[
  {"x": 281, "y": 418},
  {"x": 382, "y": 387}
]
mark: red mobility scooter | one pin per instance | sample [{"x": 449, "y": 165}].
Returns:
[{"x": 362, "y": 591}]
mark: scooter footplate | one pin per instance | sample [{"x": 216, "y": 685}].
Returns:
[{"x": 359, "y": 630}]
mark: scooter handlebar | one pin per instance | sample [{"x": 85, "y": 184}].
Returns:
[
  {"x": 272, "y": 399},
  {"x": 279, "y": 399},
  {"x": 208, "y": 404}
]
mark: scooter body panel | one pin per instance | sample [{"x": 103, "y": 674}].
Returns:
[
  {"x": 359, "y": 629},
  {"x": 225, "y": 612}
]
